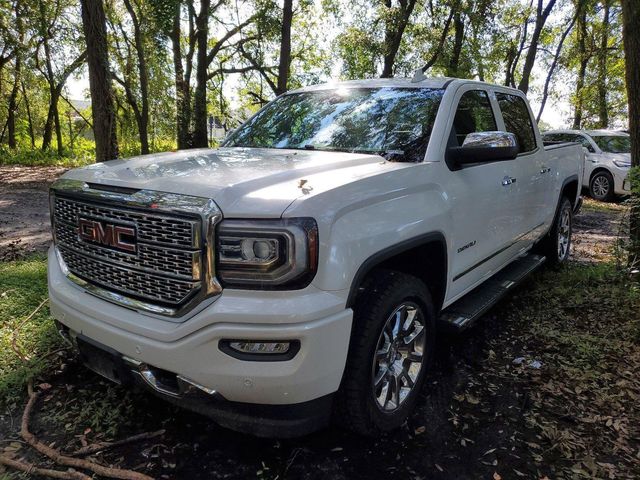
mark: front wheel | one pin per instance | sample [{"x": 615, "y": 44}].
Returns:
[
  {"x": 601, "y": 186},
  {"x": 390, "y": 353}
]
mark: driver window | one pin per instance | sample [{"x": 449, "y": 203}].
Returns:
[{"x": 474, "y": 114}]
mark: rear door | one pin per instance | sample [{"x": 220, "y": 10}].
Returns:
[{"x": 534, "y": 186}]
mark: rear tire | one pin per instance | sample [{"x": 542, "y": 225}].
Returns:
[
  {"x": 390, "y": 352},
  {"x": 601, "y": 187},
  {"x": 556, "y": 245}
]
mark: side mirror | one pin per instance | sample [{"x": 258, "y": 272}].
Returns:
[{"x": 481, "y": 147}]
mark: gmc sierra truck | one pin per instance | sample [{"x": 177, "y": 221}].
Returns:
[{"x": 302, "y": 271}]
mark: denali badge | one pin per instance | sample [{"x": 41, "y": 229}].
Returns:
[{"x": 111, "y": 235}]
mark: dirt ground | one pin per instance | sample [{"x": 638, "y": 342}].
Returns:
[
  {"x": 24, "y": 209},
  {"x": 474, "y": 420}
]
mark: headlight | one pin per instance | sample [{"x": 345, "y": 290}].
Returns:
[
  {"x": 267, "y": 254},
  {"x": 621, "y": 164}
]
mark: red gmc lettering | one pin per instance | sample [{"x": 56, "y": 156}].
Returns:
[{"x": 108, "y": 235}]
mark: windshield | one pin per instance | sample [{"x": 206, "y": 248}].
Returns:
[
  {"x": 395, "y": 122},
  {"x": 613, "y": 144}
]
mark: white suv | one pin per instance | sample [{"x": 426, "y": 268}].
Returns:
[{"x": 607, "y": 160}]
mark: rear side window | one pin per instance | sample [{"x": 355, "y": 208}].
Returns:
[
  {"x": 551, "y": 137},
  {"x": 474, "y": 114},
  {"x": 517, "y": 120}
]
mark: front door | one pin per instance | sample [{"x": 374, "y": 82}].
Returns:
[{"x": 482, "y": 210}]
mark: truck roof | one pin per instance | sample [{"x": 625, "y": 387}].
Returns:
[{"x": 437, "y": 82}]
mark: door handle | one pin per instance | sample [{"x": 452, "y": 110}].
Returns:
[
  {"x": 508, "y": 181},
  {"x": 544, "y": 170}
]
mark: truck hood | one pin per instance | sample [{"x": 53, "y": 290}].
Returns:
[{"x": 244, "y": 182}]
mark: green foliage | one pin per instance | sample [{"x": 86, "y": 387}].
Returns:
[
  {"x": 23, "y": 286},
  {"x": 634, "y": 178},
  {"x": 330, "y": 38}
]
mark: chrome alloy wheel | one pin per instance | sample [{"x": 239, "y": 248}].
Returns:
[
  {"x": 601, "y": 186},
  {"x": 399, "y": 356},
  {"x": 564, "y": 234}
]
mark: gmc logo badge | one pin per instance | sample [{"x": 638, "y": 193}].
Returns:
[{"x": 117, "y": 237}]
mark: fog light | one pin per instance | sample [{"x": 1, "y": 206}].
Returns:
[
  {"x": 260, "y": 350},
  {"x": 260, "y": 347}
]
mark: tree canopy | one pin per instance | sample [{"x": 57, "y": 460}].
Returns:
[{"x": 171, "y": 69}]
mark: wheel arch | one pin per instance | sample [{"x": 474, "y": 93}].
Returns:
[
  {"x": 570, "y": 189},
  {"x": 598, "y": 170},
  {"x": 424, "y": 257}
]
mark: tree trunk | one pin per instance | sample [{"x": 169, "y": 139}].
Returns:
[
  {"x": 631, "y": 38},
  {"x": 603, "y": 108},
  {"x": 102, "y": 107},
  {"x": 183, "y": 93},
  {"x": 13, "y": 104},
  {"x": 52, "y": 114},
  {"x": 56, "y": 121},
  {"x": 285, "y": 47},
  {"x": 582, "y": 69},
  {"x": 530, "y": 59},
  {"x": 394, "y": 29},
  {"x": 513, "y": 56},
  {"x": 29, "y": 117},
  {"x": 454, "y": 61},
  {"x": 143, "y": 73},
  {"x": 200, "y": 95},
  {"x": 552, "y": 68}
]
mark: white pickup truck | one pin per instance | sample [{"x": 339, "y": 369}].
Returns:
[{"x": 301, "y": 272}]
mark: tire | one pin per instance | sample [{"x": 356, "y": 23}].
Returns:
[
  {"x": 601, "y": 186},
  {"x": 556, "y": 245},
  {"x": 376, "y": 353}
]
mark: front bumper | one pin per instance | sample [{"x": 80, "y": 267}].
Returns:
[
  {"x": 622, "y": 185},
  {"x": 190, "y": 349}
]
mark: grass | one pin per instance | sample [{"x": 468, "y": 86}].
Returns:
[
  {"x": 83, "y": 153},
  {"x": 583, "y": 323},
  {"x": 591, "y": 205},
  {"x": 23, "y": 286}
]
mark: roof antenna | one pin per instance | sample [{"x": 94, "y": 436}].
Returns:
[{"x": 418, "y": 75}]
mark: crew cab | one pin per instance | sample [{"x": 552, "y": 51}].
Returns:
[
  {"x": 303, "y": 270},
  {"x": 607, "y": 160}
]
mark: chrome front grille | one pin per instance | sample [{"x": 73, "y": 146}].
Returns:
[
  {"x": 170, "y": 269},
  {"x": 152, "y": 228},
  {"x": 131, "y": 282},
  {"x": 153, "y": 258}
]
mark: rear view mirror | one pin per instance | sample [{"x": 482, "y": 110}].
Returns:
[{"x": 485, "y": 147}]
